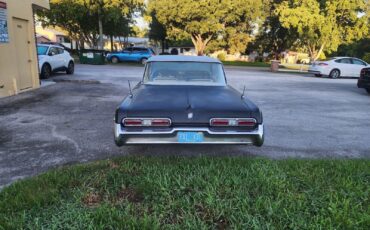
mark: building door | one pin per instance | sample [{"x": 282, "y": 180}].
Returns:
[{"x": 22, "y": 45}]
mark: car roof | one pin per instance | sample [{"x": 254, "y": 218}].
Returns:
[
  {"x": 141, "y": 47},
  {"x": 180, "y": 58},
  {"x": 51, "y": 45},
  {"x": 344, "y": 57}
]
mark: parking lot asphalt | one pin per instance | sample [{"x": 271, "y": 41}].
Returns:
[{"x": 71, "y": 119}]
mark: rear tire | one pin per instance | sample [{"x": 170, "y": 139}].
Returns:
[
  {"x": 71, "y": 68},
  {"x": 115, "y": 60},
  {"x": 335, "y": 73},
  {"x": 368, "y": 91},
  {"x": 144, "y": 60},
  {"x": 260, "y": 142},
  {"x": 45, "y": 71}
]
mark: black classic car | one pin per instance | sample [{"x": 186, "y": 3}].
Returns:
[
  {"x": 186, "y": 100},
  {"x": 364, "y": 80}
]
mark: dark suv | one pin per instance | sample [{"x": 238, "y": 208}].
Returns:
[{"x": 364, "y": 80}]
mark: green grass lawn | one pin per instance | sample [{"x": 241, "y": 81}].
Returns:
[
  {"x": 193, "y": 193},
  {"x": 243, "y": 63}
]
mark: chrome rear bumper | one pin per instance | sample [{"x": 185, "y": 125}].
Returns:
[{"x": 123, "y": 137}]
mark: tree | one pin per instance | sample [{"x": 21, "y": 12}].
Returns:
[
  {"x": 324, "y": 24},
  {"x": 116, "y": 24},
  {"x": 139, "y": 31},
  {"x": 272, "y": 36},
  {"x": 85, "y": 19},
  {"x": 157, "y": 31},
  {"x": 206, "y": 20}
]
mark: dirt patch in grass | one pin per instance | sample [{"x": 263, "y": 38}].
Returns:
[
  {"x": 208, "y": 215},
  {"x": 92, "y": 199},
  {"x": 130, "y": 195},
  {"x": 222, "y": 223}
]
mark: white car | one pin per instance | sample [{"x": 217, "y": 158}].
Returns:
[
  {"x": 338, "y": 67},
  {"x": 53, "y": 58}
]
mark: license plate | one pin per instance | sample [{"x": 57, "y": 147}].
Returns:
[{"x": 190, "y": 137}]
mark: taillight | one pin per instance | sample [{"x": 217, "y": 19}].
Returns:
[
  {"x": 362, "y": 73},
  {"x": 137, "y": 122},
  {"x": 219, "y": 122},
  {"x": 132, "y": 122},
  {"x": 246, "y": 122},
  {"x": 322, "y": 64}
]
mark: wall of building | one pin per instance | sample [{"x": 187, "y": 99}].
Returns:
[{"x": 13, "y": 68}]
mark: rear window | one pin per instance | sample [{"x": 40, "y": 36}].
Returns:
[
  {"x": 344, "y": 61},
  {"x": 184, "y": 73}
]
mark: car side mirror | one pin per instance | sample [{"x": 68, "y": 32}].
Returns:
[{"x": 51, "y": 53}]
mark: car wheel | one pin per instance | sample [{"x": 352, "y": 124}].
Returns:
[
  {"x": 45, "y": 71},
  {"x": 318, "y": 75},
  {"x": 368, "y": 91},
  {"x": 335, "y": 73},
  {"x": 71, "y": 68},
  {"x": 115, "y": 60},
  {"x": 144, "y": 60}
]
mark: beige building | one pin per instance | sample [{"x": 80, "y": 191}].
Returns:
[
  {"x": 18, "y": 55},
  {"x": 53, "y": 35}
]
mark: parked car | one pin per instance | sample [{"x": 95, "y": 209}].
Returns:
[
  {"x": 53, "y": 58},
  {"x": 186, "y": 100},
  {"x": 338, "y": 67},
  {"x": 131, "y": 54},
  {"x": 364, "y": 80}
]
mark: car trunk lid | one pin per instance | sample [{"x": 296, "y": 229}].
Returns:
[{"x": 187, "y": 105}]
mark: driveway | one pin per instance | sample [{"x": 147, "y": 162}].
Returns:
[{"x": 71, "y": 120}]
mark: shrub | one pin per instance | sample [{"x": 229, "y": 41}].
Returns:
[
  {"x": 366, "y": 57},
  {"x": 221, "y": 56}
]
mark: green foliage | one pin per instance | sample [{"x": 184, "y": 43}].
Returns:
[
  {"x": 366, "y": 57},
  {"x": 244, "y": 63},
  {"x": 157, "y": 31},
  {"x": 192, "y": 193},
  {"x": 80, "y": 17},
  {"x": 206, "y": 20},
  {"x": 140, "y": 32},
  {"x": 272, "y": 36},
  {"x": 324, "y": 25},
  {"x": 221, "y": 56},
  {"x": 356, "y": 49}
]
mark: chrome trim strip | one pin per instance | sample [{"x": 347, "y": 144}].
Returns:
[{"x": 119, "y": 131}]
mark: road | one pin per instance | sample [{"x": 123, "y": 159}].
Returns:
[{"x": 71, "y": 119}]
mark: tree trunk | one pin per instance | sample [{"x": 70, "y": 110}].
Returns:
[
  {"x": 320, "y": 51},
  {"x": 200, "y": 43},
  {"x": 101, "y": 45},
  {"x": 111, "y": 43},
  {"x": 162, "y": 45}
]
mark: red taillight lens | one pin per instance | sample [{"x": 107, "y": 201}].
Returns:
[
  {"x": 132, "y": 122},
  {"x": 322, "y": 64},
  {"x": 362, "y": 73},
  {"x": 219, "y": 122},
  {"x": 246, "y": 122},
  {"x": 160, "y": 122},
  {"x": 146, "y": 122}
]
